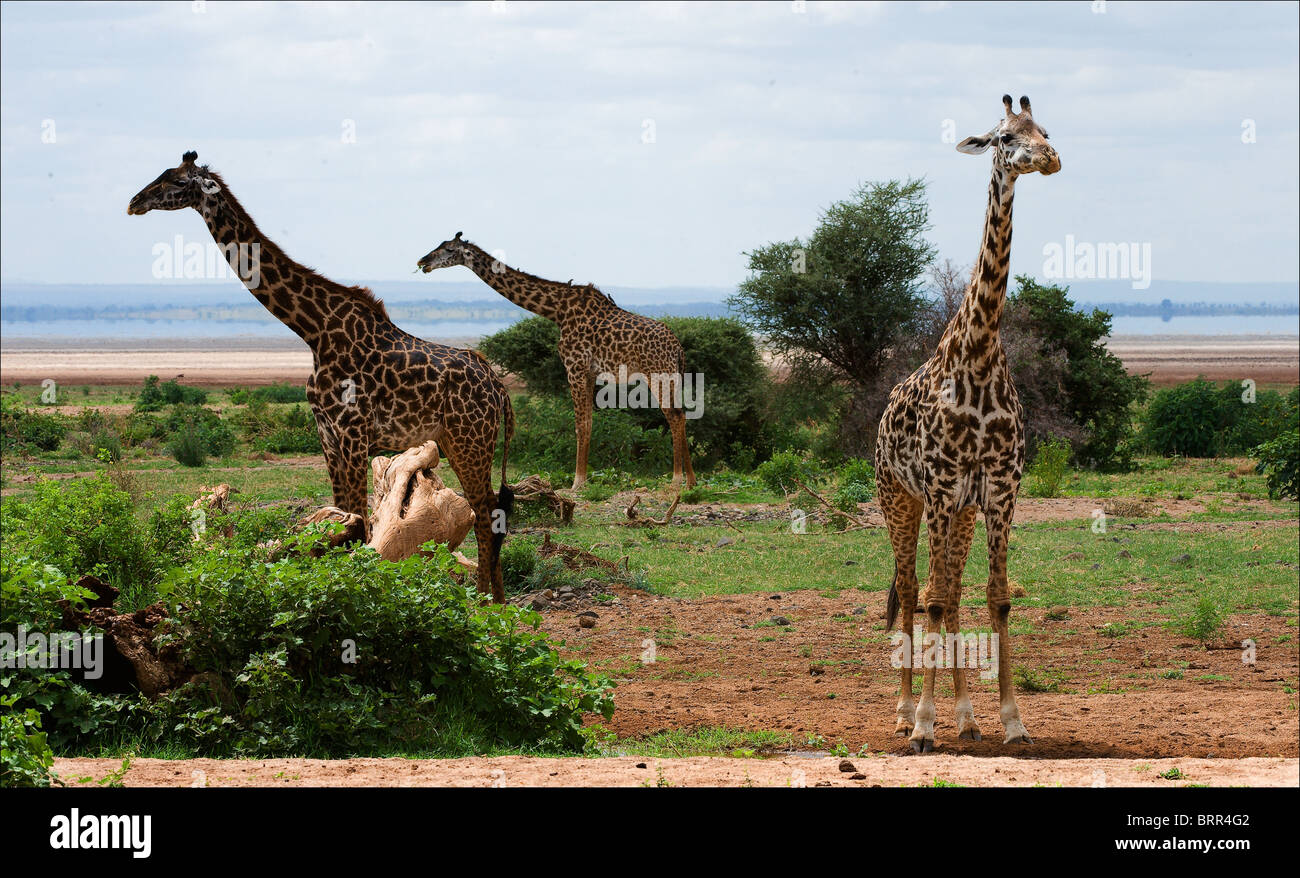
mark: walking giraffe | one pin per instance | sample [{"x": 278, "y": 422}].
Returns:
[
  {"x": 596, "y": 336},
  {"x": 373, "y": 387},
  {"x": 952, "y": 442}
]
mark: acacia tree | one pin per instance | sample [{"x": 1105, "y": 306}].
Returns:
[{"x": 834, "y": 305}]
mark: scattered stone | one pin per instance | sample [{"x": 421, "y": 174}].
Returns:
[
  {"x": 846, "y": 766},
  {"x": 723, "y": 541},
  {"x": 1181, "y": 559},
  {"x": 1056, "y": 614},
  {"x": 858, "y": 776},
  {"x": 859, "y": 611},
  {"x": 775, "y": 597},
  {"x": 640, "y": 765},
  {"x": 1096, "y": 566},
  {"x": 587, "y": 621},
  {"x": 850, "y": 563},
  {"x": 779, "y": 620}
]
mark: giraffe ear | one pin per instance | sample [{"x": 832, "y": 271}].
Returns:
[{"x": 976, "y": 145}]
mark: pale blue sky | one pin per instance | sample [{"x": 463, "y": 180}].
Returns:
[{"x": 522, "y": 124}]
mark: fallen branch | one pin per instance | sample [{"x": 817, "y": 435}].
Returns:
[
  {"x": 858, "y": 521},
  {"x": 634, "y": 521}
]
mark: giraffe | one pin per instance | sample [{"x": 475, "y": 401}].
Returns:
[
  {"x": 596, "y": 336},
  {"x": 952, "y": 443},
  {"x": 373, "y": 387}
]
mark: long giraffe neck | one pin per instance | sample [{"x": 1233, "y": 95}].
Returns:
[
  {"x": 974, "y": 330},
  {"x": 554, "y": 301},
  {"x": 298, "y": 297}
]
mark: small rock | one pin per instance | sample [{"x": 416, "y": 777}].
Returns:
[
  {"x": 640, "y": 765},
  {"x": 858, "y": 776},
  {"x": 1096, "y": 566},
  {"x": 592, "y": 613},
  {"x": 1181, "y": 559},
  {"x": 586, "y": 622},
  {"x": 539, "y": 602},
  {"x": 846, "y": 766},
  {"x": 850, "y": 563},
  {"x": 779, "y": 620},
  {"x": 859, "y": 611},
  {"x": 775, "y": 597},
  {"x": 1124, "y": 553},
  {"x": 724, "y": 541}
]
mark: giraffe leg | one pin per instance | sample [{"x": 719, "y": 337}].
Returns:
[
  {"x": 997, "y": 520},
  {"x": 348, "y": 464},
  {"x": 959, "y": 549},
  {"x": 681, "y": 451},
  {"x": 939, "y": 519},
  {"x": 582, "y": 388},
  {"x": 472, "y": 465},
  {"x": 903, "y": 518}
]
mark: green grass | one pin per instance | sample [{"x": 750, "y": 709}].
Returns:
[{"x": 705, "y": 741}]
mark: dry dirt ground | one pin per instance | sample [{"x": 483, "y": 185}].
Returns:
[
  {"x": 633, "y": 771},
  {"x": 825, "y": 679}
]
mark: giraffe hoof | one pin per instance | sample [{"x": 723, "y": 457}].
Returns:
[
  {"x": 922, "y": 745},
  {"x": 1022, "y": 738},
  {"x": 903, "y": 729},
  {"x": 971, "y": 735}
]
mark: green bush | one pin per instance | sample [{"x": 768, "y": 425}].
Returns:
[
  {"x": 1204, "y": 622},
  {"x": 24, "y": 429},
  {"x": 429, "y": 659},
  {"x": 518, "y": 560},
  {"x": 196, "y": 434},
  {"x": 1279, "y": 459},
  {"x": 277, "y": 392},
  {"x": 25, "y": 755},
  {"x": 1201, "y": 419},
  {"x": 88, "y": 526},
  {"x": 721, "y": 349},
  {"x": 1048, "y": 468},
  {"x": 857, "y": 484},
  {"x": 780, "y": 473},
  {"x": 545, "y": 439},
  {"x": 1099, "y": 391},
  {"x": 280, "y": 431}
]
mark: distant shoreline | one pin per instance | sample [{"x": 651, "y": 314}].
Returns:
[{"x": 255, "y": 360}]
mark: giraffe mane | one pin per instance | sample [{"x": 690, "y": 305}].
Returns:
[
  {"x": 362, "y": 295},
  {"x": 584, "y": 287}
]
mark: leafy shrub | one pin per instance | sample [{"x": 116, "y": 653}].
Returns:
[
  {"x": 430, "y": 659},
  {"x": 280, "y": 431},
  {"x": 857, "y": 484},
  {"x": 277, "y": 392},
  {"x": 545, "y": 439},
  {"x": 22, "y": 428},
  {"x": 1048, "y": 468},
  {"x": 1279, "y": 459},
  {"x": 1204, "y": 622},
  {"x": 780, "y": 473},
  {"x": 88, "y": 526},
  {"x": 1099, "y": 392},
  {"x": 530, "y": 349},
  {"x": 720, "y": 349},
  {"x": 1202, "y": 419},
  {"x": 197, "y": 433},
  {"x": 518, "y": 561},
  {"x": 25, "y": 756}
]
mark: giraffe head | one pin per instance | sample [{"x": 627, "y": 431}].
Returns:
[
  {"x": 1019, "y": 142},
  {"x": 176, "y": 188},
  {"x": 447, "y": 253}
]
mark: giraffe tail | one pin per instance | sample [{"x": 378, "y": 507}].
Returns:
[
  {"x": 891, "y": 606},
  {"x": 505, "y": 496}
]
